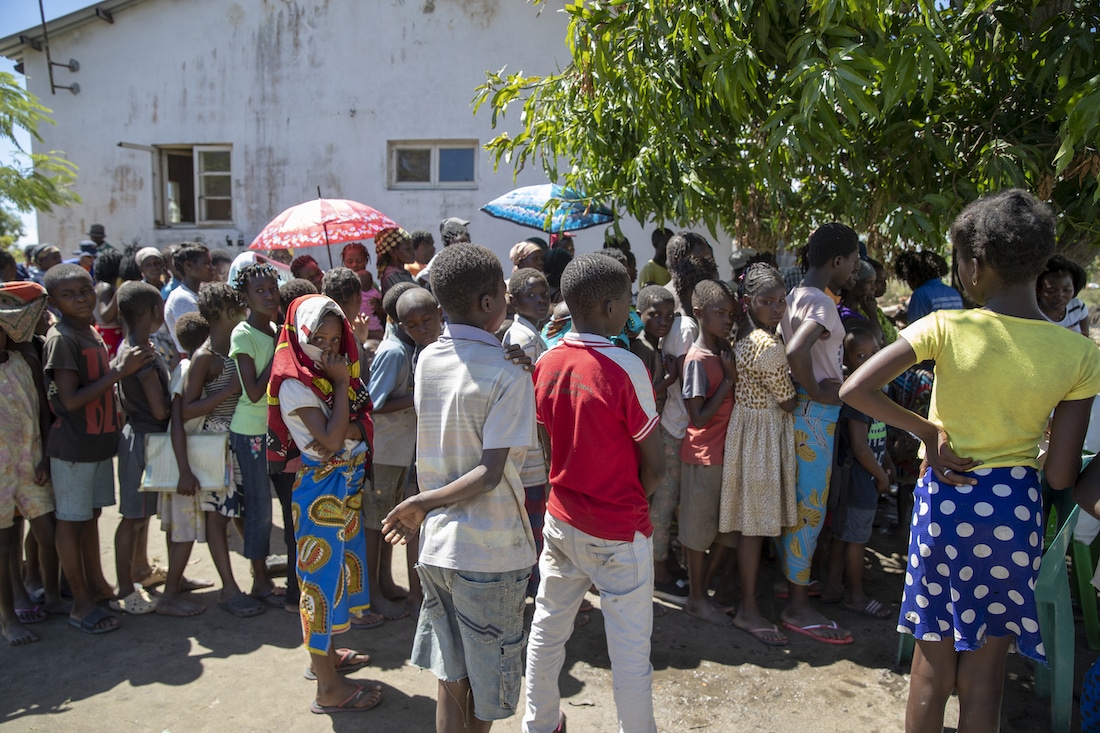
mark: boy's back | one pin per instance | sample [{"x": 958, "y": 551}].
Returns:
[
  {"x": 89, "y": 433},
  {"x": 596, "y": 401},
  {"x": 470, "y": 399},
  {"x": 135, "y": 404},
  {"x": 391, "y": 378}
]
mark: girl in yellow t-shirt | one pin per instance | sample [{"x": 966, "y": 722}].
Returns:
[{"x": 976, "y": 537}]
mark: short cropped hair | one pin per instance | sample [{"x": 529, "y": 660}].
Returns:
[
  {"x": 420, "y": 236},
  {"x": 191, "y": 330},
  {"x": 591, "y": 280},
  {"x": 414, "y": 298},
  {"x": 830, "y": 240},
  {"x": 520, "y": 277},
  {"x": 389, "y": 300},
  {"x": 220, "y": 257},
  {"x": 294, "y": 289},
  {"x": 709, "y": 292},
  {"x": 341, "y": 284},
  {"x": 6, "y": 259},
  {"x": 462, "y": 273},
  {"x": 136, "y": 298},
  {"x": 660, "y": 237},
  {"x": 187, "y": 252},
  {"x": 614, "y": 253},
  {"x": 1010, "y": 231},
  {"x": 65, "y": 271},
  {"x": 215, "y": 299},
  {"x": 652, "y": 295}
]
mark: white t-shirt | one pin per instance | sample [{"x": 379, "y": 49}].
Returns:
[
  {"x": 680, "y": 337},
  {"x": 181, "y": 300},
  {"x": 293, "y": 395}
]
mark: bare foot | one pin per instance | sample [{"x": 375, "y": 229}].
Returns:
[
  {"x": 806, "y": 617},
  {"x": 103, "y": 593},
  {"x": 189, "y": 584},
  {"x": 393, "y": 591},
  {"x": 18, "y": 635},
  {"x": 708, "y": 611},
  {"x": 390, "y": 610},
  {"x": 413, "y": 603},
  {"x": 176, "y": 606}
]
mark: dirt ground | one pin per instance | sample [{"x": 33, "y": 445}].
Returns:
[{"x": 214, "y": 672}]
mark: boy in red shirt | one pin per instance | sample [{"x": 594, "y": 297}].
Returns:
[
  {"x": 708, "y": 378},
  {"x": 597, "y": 527}
]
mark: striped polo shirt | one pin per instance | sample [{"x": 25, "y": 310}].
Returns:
[{"x": 469, "y": 399}]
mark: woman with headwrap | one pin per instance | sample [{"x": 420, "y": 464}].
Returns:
[{"x": 318, "y": 404}]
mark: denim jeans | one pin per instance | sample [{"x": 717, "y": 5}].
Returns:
[
  {"x": 623, "y": 573},
  {"x": 251, "y": 452}
]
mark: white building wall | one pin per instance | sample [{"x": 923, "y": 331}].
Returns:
[{"x": 307, "y": 93}]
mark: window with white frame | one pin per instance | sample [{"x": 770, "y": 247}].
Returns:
[
  {"x": 433, "y": 163},
  {"x": 197, "y": 185}
]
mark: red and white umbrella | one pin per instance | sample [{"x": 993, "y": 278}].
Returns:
[{"x": 322, "y": 222}]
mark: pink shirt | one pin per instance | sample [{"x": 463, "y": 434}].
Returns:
[{"x": 827, "y": 353}]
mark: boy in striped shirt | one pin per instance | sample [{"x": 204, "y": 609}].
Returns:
[{"x": 475, "y": 423}]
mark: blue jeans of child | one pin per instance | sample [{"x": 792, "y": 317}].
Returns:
[{"x": 251, "y": 452}]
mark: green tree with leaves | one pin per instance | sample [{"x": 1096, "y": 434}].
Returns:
[
  {"x": 30, "y": 181},
  {"x": 11, "y": 229},
  {"x": 767, "y": 117}
]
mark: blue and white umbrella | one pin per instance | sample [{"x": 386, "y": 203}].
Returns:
[{"x": 530, "y": 206}]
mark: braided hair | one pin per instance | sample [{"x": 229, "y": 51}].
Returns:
[
  {"x": 257, "y": 269},
  {"x": 758, "y": 277}
]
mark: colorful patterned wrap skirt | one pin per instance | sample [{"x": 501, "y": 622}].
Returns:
[
  {"x": 974, "y": 554},
  {"x": 327, "y": 504}
]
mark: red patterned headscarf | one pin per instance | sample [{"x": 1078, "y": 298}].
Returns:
[{"x": 303, "y": 317}]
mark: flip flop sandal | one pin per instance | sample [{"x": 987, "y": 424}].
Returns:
[
  {"x": 274, "y": 598},
  {"x": 342, "y": 664},
  {"x": 89, "y": 624},
  {"x": 242, "y": 606},
  {"x": 757, "y": 634},
  {"x": 137, "y": 603},
  {"x": 376, "y": 620},
  {"x": 347, "y": 706},
  {"x": 874, "y": 609},
  {"x": 809, "y": 631},
  {"x": 32, "y": 615}
]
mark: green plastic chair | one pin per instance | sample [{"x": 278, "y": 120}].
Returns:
[
  {"x": 1056, "y": 627},
  {"x": 1084, "y": 563}
]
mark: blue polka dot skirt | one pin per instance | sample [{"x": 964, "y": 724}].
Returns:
[{"x": 974, "y": 554}]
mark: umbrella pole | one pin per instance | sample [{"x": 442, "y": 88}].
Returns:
[{"x": 328, "y": 244}]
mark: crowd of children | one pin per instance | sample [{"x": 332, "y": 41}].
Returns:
[{"x": 501, "y": 428}]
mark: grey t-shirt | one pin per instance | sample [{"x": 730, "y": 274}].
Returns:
[{"x": 134, "y": 402}]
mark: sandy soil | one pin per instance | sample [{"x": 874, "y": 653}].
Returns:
[{"x": 214, "y": 672}]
